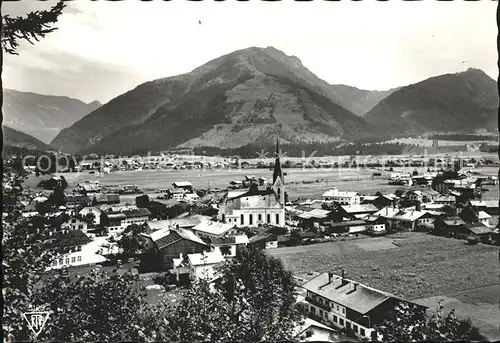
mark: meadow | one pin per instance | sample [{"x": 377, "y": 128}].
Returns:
[{"x": 415, "y": 266}]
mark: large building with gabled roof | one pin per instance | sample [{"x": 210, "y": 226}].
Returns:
[{"x": 346, "y": 304}]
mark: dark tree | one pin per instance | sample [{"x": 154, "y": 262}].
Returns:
[{"x": 32, "y": 27}]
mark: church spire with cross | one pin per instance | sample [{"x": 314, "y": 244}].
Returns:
[{"x": 278, "y": 178}]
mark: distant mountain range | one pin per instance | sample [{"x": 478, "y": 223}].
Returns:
[
  {"x": 461, "y": 102},
  {"x": 42, "y": 116},
  {"x": 241, "y": 98},
  {"x": 17, "y": 139},
  {"x": 250, "y": 95}
]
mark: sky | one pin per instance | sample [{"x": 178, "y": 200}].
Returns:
[{"x": 103, "y": 49}]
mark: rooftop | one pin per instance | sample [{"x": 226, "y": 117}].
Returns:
[
  {"x": 214, "y": 228},
  {"x": 211, "y": 257},
  {"x": 361, "y": 300},
  {"x": 166, "y": 237},
  {"x": 336, "y": 193},
  {"x": 360, "y": 208},
  {"x": 140, "y": 212}
]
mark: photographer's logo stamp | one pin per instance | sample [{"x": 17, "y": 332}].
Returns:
[{"x": 36, "y": 320}]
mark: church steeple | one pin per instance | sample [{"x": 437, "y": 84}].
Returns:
[
  {"x": 278, "y": 179},
  {"x": 278, "y": 173}
]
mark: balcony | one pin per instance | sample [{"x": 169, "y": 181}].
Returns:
[{"x": 319, "y": 304}]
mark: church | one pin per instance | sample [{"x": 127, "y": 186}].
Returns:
[{"x": 257, "y": 206}]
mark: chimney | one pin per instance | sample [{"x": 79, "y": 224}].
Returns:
[
  {"x": 330, "y": 277},
  {"x": 344, "y": 281},
  {"x": 355, "y": 286}
]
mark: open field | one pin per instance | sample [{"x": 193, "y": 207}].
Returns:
[
  {"x": 416, "y": 266},
  {"x": 432, "y": 265},
  {"x": 301, "y": 183}
]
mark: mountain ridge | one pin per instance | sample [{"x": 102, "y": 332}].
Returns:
[
  {"x": 463, "y": 101},
  {"x": 42, "y": 116},
  {"x": 235, "y": 99}
]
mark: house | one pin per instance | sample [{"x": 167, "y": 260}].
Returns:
[
  {"x": 113, "y": 222},
  {"x": 350, "y": 226},
  {"x": 346, "y": 304},
  {"x": 314, "y": 331},
  {"x": 374, "y": 225},
  {"x": 409, "y": 220},
  {"x": 185, "y": 185},
  {"x": 106, "y": 199},
  {"x": 379, "y": 201},
  {"x": 315, "y": 218},
  {"x": 448, "y": 226},
  {"x": 355, "y": 211},
  {"x": 264, "y": 240},
  {"x": 405, "y": 219},
  {"x": 176, "y": 193},
  {"x": 202, "y": 265},
  {"x": 209, "y": 230},
  {"x": 228, "y": 245},
  {"x": 414, "y": 195},
  {"x": 445, "y": 200},
  {"x": 136, "y": 216},
  {"x": 341, "y": 198},
  {"x": 95, "y": 212},
  {"x": 168, "y": 244},
  {"x": 484, "y": 218},
  {"x": 75, "y": 223},
  {"x": 478, "y": 231},
  {"x": 76, "y": 249},
  {"x": 488, "y": 206},
  {"x": 75, "y": 201},
  {"x": 89, "y": 187},
  {"x": 252, "y": 208}
]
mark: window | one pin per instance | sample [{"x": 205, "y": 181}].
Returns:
[
  {"x": 250, "y": 219},
  {"x": 224, "y": 218},
  {"x": 335, "y": 318},
  {"x": 309, "y": 333},
  {"x": 80, "y": 227},
  {"x": 242, "y": 220},
  {"x": 66, "y": 260},
  {"x": 341, "y": 321},
  {"x": 61, "y": 261},
  {"x": 362, "y": 331},
  {"x": 277, "y": 218},
  {"x": 73, "y": 220},
  {"x": 79, "y": 259},
  {"x": 79, "y": 248},
  {"x": 338, "y": 309},
  {"x": 343, "y": 310},
  {"x": 54, "y": 263},
  {"x": 268, "y": 218},
  {"x": 321, "y": 313},
  {"x": 259, "y": 217},
  {"x": 73, "y": 259},
  {"x": 355, "y": 328},
  {"x": 326, "y": 314},
  {"x": 348, "y": 325}
]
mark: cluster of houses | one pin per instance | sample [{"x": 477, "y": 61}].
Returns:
[{"x": 181, "y": 191}]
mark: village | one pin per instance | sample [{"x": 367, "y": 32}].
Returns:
[{"x": 186, "y": 234}]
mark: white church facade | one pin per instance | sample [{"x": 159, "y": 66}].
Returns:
[{"x": 256, "y": 206}]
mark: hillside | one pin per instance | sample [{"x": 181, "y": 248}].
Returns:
[
  {"x": 42, "y": 116},
  {"x": 14, "y": 138},
  {"x": 358, "y": 101},
  {"x": 242, "y": 98},
  {"x": 461, "y": 102}
]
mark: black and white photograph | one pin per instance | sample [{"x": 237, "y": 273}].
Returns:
[{"x": 250, "y": 171}]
